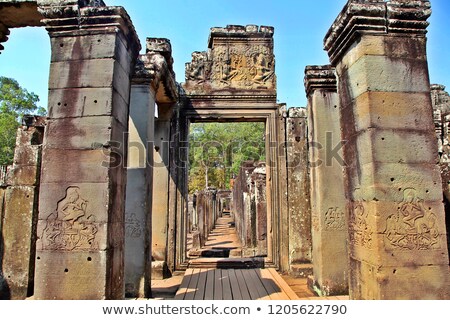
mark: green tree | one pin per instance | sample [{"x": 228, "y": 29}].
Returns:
[
  {"x": 15, "y": 102},
  {"x": 216, "y": 151}
]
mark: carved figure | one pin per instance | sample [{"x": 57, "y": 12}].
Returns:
[
  {"x": 70, "y": 227},
  {"x": 413, "y": 226}
]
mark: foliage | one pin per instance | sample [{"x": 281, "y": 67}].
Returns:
[
  {"x": 15, "y": 102},
  {"x": 216, "y": 151}
]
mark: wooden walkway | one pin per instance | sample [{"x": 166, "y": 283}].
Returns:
[{"x": 234, "y": 284}]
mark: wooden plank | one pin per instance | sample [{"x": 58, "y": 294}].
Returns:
[
  {"x": 262, "y": 292},
  {"x": 192, "y": 288},
  {"x": 218, "y": 284},
  {"x": 226, "y": 286},
  {"x": 283, "y": 285},
  {"x": 201, "y": 285},
  {"x": 251, "y": 284},
  {"x": 209, "y": 287},
  {"x": 275, "y": 293},
  {"x": 184, "y": 285},
  {"x": 242, "y": 285},
  {"x": 235, "y": 289}
]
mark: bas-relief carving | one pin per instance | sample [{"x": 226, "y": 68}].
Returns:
[
  {"x": 413, "y": 226},
  {"x": 133, "y": 226},
  {"x": 335, "y": 219},
  {"x": 361, "y": 233},
  {"x": 72, "y": 227},
  {"x": 248, "y": 67}
]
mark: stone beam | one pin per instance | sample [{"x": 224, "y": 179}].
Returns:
[
  {"x": 328, "y": 203},
  {"x": 392, "y": 178},
  {"x": 83, "y": 177}
]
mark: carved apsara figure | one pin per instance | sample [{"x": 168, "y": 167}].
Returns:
[
  {"x": 413, "y": 226},
  {"x": 70, "y": 227}
]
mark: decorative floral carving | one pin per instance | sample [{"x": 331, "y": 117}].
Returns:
[{"x": 71, "y": 227}]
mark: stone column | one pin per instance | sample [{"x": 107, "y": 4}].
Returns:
[
  {"x": 397, "y": 234},
  {"x": 300, "y": 244},
  {"x": 80, "y": 247},
  {"x": 139, "y": 182},
  {"x": 328, "y": 203},
  {"x": 160, "y": 206},
  {"x": 21, "y": 211}
]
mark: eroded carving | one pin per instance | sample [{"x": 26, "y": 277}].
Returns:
[
  {"x": 361, "y": 233},
  {"x": 412, "y": 227},
  {"x": 335, "y": 219},
  {"x": 133, "y": 226},
  {"x": 71, "y": 227}
]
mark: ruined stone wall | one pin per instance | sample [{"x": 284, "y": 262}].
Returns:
[
  {"x": 19, "y": 212},
  {"x": 440, "y": 100},
  {"x": 250, "y": 208},
  {"x": 298, "y": 185}
]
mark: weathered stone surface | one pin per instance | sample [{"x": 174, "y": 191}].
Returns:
[
  {"x": 328, "y": 202},
  {"x": 18, "y": 240},
  {"x": 396, "y": 217},
  {"x": 249, "y": 65},
  {"x": 300, "y": 240}
]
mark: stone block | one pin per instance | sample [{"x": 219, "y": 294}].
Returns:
[
  {"x": 399, "y": 283},
  {"x": 396, "y": 146},
  {"x": 84, "y": 102},
  {"x": 79, "y": 166},
  {"x": 27, "y": 155},
  {"x": 101, "y": 73},
  {"x": 20, "y": 175},
  {"x": 393, "y": 110},
  {"x": 73, "y": 275},
  {"x": 82, "y": 133},
  {"x": 387, "y": 182},
  {"x": 95, "y": 195},
  {"x": 391, "y": 46},
  {"x": 20, "y": 215},
  {"x": 82, "y": 74},
  {"x": 95, "y": 46},
  {"x": 384, "y": 74}
]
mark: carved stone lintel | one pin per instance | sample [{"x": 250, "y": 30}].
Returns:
[
  {"x": 320, "y": 77},
  {"x": 376, "y": 17}
]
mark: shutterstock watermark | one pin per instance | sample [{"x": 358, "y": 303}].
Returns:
[{"x": 189, "y": 154}]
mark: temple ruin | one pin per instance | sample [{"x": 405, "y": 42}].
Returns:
[{"x": 353, "y": 193}]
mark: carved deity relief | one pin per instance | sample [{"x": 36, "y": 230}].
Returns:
[
  {"x": 335, "y": 219},
  {"x": 199, "y": 69},
  {"x": 71, "y": 227},
  {"x": 235, "y": 65},
  {"x": 412, "y": 227},
  {"x": 133, "y": 226},
  {"x": 361, "y": 233}
]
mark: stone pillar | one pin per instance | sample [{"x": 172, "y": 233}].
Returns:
[
  {"x": 160, "y": 205},
  {"x": 397, "y": 234},
  {"x": 328, "y": 203},
  {"x": 300, "y": 244},
  {"x": 258, "y": 177},
  {"x": 80, "y": 247},
  {"x": 21, "y": 212},
  {"x": 139, "y": 182}
]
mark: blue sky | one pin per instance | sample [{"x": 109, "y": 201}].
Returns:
[{"x": 300, "y": 26}]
